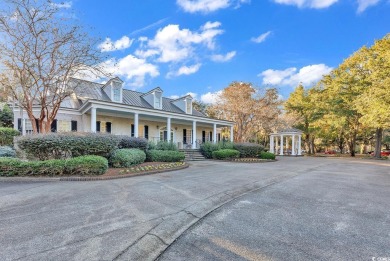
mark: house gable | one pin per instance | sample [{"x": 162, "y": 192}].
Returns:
[
  {"x": 154, "y": 98},
  {"x": 114, "y": 89}
]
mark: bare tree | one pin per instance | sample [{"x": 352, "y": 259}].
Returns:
[{"x": 40, "y": 50}]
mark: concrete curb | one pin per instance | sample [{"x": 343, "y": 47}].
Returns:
[
  {"x": 153, "y": 244},
  {"x": 88, "y": 178}
]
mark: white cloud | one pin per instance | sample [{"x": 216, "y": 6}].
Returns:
[
  {"x": 261, "y": 38},
  {"x": 210, "y": 97},
  {"x": 291, "y": 76},
  {"x": 172, "y": 44},
  {"x": 134, "y": 69},
  {"x": 185, "y": 70},
  {"x": 204, "y": 6},
  {"x": 65, "y": 5},
  {"x": 316, "y": 4},
  {"x": 223, "y": 58},
  {"x": 364, "y": 4},
  {"x": 108, "y": 45}
]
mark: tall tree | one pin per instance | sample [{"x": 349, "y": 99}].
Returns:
[
  {"x": 40, "y": 50},
  {"x": 6, "y": 117}
]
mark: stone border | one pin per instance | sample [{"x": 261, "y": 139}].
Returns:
[
  {"x": 89, "y": 178},
  {"x": 241, "y": 161}
]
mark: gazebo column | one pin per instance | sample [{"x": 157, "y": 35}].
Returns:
[
  {"x": 293, "y": 145},
  {"x": 231, "y": 134},
  {"x": 281, "y": 145},
  {"x": 299, "y": 145},
  {"x": 271, "y": 145}
]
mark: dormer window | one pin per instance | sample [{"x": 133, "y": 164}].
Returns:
[
  {"x": 117, "y": 94},
  {"x": 157, "y": 104},
  {"x": 184, "y": 104},
  {"x": 154, "y": 98},
  {"x": 188, "y": 106},
  {"x": 157, "y": 100},
  {"x": 113, "y": 89}
]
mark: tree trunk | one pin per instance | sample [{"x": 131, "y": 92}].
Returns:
[{"x": 378, "y": 143}]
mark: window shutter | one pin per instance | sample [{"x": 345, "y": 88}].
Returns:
[
  {"x": 203, "y": 136},
  {"x": 54, "y": 126},
  {"x": 146, "y": 132},
  {"x": 184, "y": 136},
  {"x": 37, "y": 124},
  {"x": 219, "y": 136},
  {"x": 98, "y": 126},
  {"x": 211, "y": 136},
  {"x": 108, "y": 127},
  {"x": 132, "y": 130},
  {"x": 20, "y": 127},
  {"x": 74, "y": 125}
]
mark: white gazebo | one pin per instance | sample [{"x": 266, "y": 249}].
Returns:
[{"x": 281, "y": 140}]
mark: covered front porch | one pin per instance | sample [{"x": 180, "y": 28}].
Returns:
[{"x": 186, "y": 131}]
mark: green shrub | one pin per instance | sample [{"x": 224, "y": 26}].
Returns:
[
  {"x": 225, "y": 154},
  {"x": 266, "y": 155},
  {"x": 7, "y": 136},
  {"x": 66, "y": 145},
  {"x": 123, "y": 158},
  {"x": 248, "y": 150},
  {"x": 84, "y": 165},
  {"x": 127, "y": 142},
  {"x": 208, "y": 148},
  {"x": 164, "y": 156},
  {"x": 6, "y": 151},
  {"x": 164, "y": 145}
]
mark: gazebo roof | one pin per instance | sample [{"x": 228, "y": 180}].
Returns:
[{"x": 288, "y": 131}]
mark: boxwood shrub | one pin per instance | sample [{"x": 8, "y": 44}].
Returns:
[
  {"x": 248, "y": 150},
  {"x": 123, "y": 158},
  {"x": 164, "y": 156},
  {"x": 266, "y": 155},
  {"x": 7, "y": 136},
  {"x": 225, "y": 154},
  {"x": 83, "y": 165},
  {"x": 163, "y": 145},
  {"x": 6, "y": 151},
  {"x": 207, "y": 148},
  {"x": 128, "y": 142},
  {"x": 66, "y": 145}
]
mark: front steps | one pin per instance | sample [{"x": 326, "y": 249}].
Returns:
[{"x": 192, "y": 155}]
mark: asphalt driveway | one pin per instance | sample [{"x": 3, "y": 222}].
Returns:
[{"x": 138, "y": 218}]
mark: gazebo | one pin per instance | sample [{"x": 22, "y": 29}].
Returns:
[{"x": 281, "y": 140}]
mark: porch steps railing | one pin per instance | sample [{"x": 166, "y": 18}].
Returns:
[{"x": 192, "y": 155}]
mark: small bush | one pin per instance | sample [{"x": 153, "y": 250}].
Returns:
[
  {"x": 66, "y": 145},
  {"x": 165, "y": 145},
  {"x": 225, "y": 154},
  {"x": 7, "y": 136},
  {"x": 207, "y": 148},
  {"x": 164, "y": 156},
  {"x": 248, "y": 150},
  {"x": 267, "y": 155},
  {"x": 84, "y": 165},
  {"x": 127, "y": 142},
  {"x": 6, "y": 151},
  {"x": 123, "y": 158}
]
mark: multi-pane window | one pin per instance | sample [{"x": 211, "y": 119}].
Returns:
[
  {"x": 188, "y": 106},
  {"x": 64, "y": 126},
  {"x": 117, "y": 94},
  {"x": 157, "y": 103}
]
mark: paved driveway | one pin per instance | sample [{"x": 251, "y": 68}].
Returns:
[
  {"x": 137, "y": 218},
  {"x": 340, "y": 211}
]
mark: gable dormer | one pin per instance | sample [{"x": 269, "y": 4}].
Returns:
[
  {"x": 184, "y": 104},
  {"x": 154, "y": 98},
  {"x": 114, "y": 89}
]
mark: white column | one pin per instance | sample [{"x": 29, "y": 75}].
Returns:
[
  {"x": 214, "y": 133},
  {"x": 231, "y": 134},
  {"x": 293, "y": 145},
  {"x": 168, "y": 129},
  {"x": 299, "y": 145},
  {"x": 136, "y": 124},
  {"x": 23, "y": 126},
  {"x": 194, "y": 134},
  {"x": 271, "y": 144},
  {"x": 281, "y": 145},
  {"x": 93, "y": 119}
]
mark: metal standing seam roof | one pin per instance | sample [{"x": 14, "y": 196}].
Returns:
[{"x": 91, "y": 90}]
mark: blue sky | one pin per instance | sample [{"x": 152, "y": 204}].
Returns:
[{"x": 200, "y": 46}]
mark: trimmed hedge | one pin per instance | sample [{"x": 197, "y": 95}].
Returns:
[
  {"x": 267, "y": 155},
  {"x": 84, "y": 165},
  {"x": 7, "y": 136},
  {"x": 163, "y": 145},
  {"x": 164, "y": 156},
  {"x": 248, "y": 150},
  {"x": 123, "y": 158},
  {"x": 66, "y": 145},
  {"x": 6, "y": 151},
  {"x": 127, "y": 142},
  {"x": 208, "y": 148},
  {"x": 226, "y": 154}
]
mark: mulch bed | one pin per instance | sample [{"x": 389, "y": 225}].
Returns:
[{"x": 249, "y": 160}]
